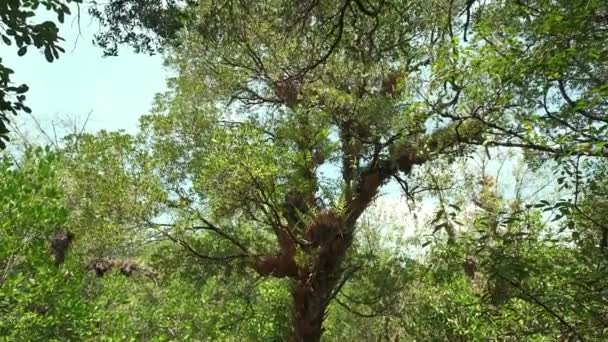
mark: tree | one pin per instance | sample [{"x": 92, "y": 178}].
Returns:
[
  {"x": 540, "y": 63},
  {"x": 286, "y": 119},
  {"x": 147, "y": 25},
  {"x": 16, "y": 27},
  {"x": 276, "y": 106}
]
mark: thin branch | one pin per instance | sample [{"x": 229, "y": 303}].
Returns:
[
  {"x": 572, "y": 103},
  {"x": 373, "y": 12},
  {"x": 355, "y": 312},
  {"x": 43, "y": 131},
  {"x": 210, "y": 226},
  {"x": 405, "y": 187},
  {"x": 192, "y": 250},
  {"x": 334, "y": 45},
  {"x": 86, "y": 121},
  {"x": 467, "y": 9},
  {"x": 265, "y": 199},
  {"x": 345, "y": 278}
]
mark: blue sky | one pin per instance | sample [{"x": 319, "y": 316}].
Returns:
[{"x": 117, "y": 90}]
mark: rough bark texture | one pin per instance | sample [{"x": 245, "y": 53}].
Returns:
[
  {"x": 280, "y": 265},
  {"x": 313, "y": 290},
  {"x": 314, "y": 282}
]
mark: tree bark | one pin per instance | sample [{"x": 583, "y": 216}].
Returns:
[
  {"x": 315, "y": 287},
  {"x": 309, "y": 313}
]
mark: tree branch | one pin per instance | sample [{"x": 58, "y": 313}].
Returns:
[
  {"x": 355, "y": 312},
  {"x": 191, "y": 249},
  {"x": 345, "y": 278},
  {"x": 373, "y": 12},
  {"x": 210, "y": 226}
]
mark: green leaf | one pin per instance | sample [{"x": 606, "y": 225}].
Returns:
[
  {"x": 22, "y": 51},
  {"x": 48, "y": 55},
  {"x": 22, "y": 89}
]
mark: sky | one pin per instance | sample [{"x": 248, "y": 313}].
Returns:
[{"x": 116, "y": 90}]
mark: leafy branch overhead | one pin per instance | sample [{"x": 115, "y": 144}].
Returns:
[{"x": 19, "y": 29}]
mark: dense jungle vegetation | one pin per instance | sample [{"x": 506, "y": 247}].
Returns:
[{"x": 346, "y": 170}]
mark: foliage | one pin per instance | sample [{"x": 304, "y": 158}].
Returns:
[
  {"x": 109, "y": 191},
  {"x": 542, "y": 64},
  {"x": 38, "y": 301},
  {"x": 147, "y": 25},
  {"x": 268, "y": 95},
  {"x": 244, "y": 205}
]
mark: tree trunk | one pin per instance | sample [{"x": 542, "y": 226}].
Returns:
[
  {"x": 317, "y": 280},
  {"x": 313, "y": 289},
  {"x": 309, "y": 313}
]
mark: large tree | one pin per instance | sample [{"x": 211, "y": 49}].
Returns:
[
  {"x": 279, "y": 133},
  {"x": 286, "y": 119}
]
